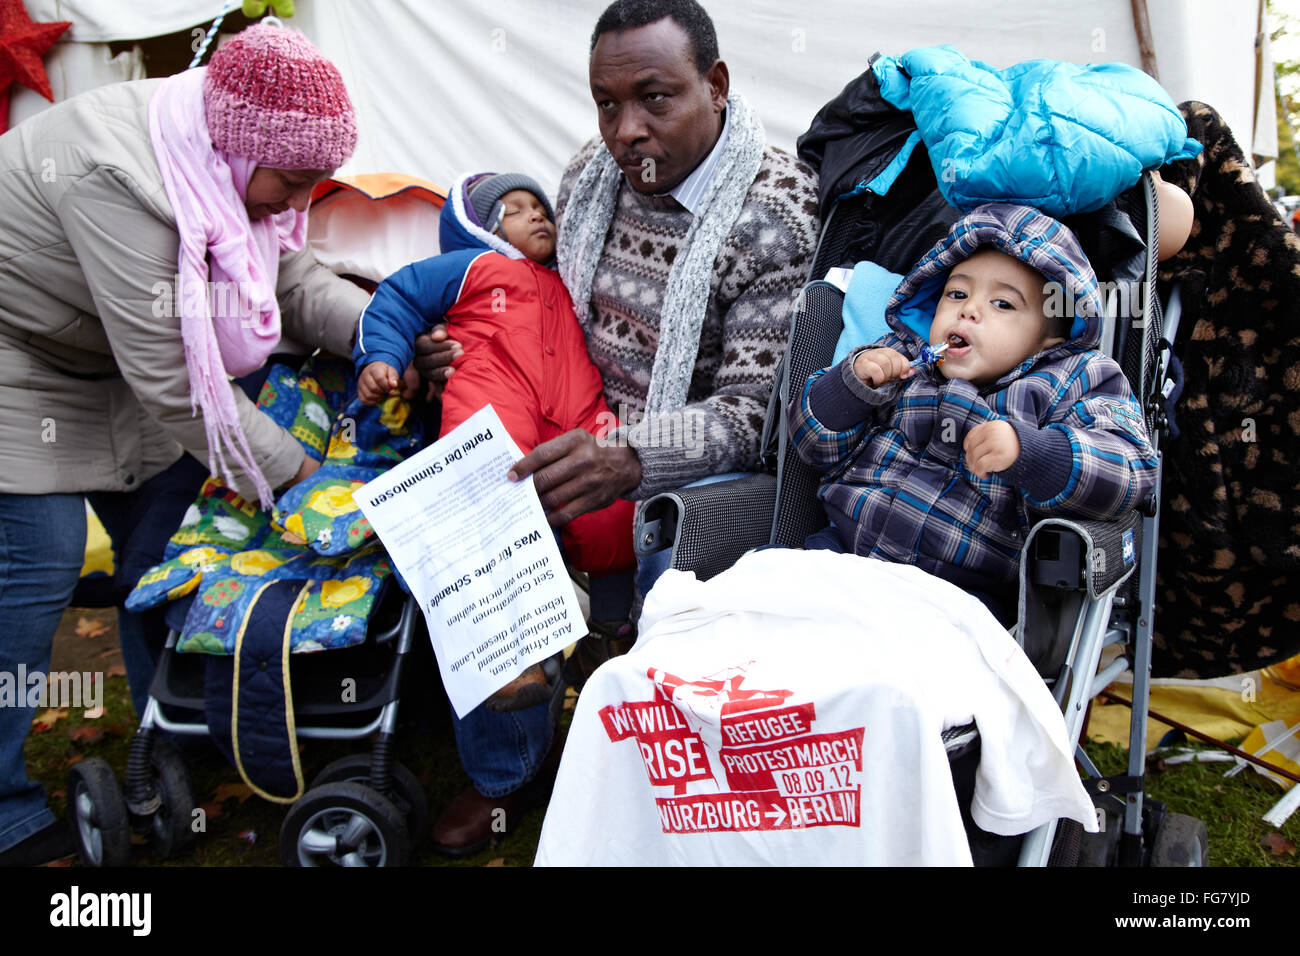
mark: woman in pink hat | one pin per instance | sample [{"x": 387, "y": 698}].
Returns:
[{"x": 123, "y": 209}]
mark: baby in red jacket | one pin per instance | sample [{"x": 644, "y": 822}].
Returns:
[{"x": 524, "y": 351}]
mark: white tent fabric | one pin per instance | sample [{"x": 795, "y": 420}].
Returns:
[
  {"x": 501, "y": 84},
  {"x": 74, "y": 68},
  {"x": 81, "y": 59},
  {"x": 100, "y": 21}
]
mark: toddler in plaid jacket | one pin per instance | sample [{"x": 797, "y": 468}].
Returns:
[{"x": 945, "y": 466}]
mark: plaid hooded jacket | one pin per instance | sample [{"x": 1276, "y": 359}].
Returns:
[{"x": 896, "y": 484}]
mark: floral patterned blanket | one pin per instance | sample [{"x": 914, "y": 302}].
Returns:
[{"x": 227, "y": 549}]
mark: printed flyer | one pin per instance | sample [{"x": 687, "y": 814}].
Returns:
[{"x": 478, "y": 555}]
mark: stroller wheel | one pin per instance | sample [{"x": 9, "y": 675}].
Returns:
[
  {"x": 170, "y": 826},
  {"x": 1102, "y": 848},
  {"x": 346, "y": 824},
  {"x": 98, "y": 815},
  {"x": 1180, "y": 841},
  {"x": 407, "y": 795}
]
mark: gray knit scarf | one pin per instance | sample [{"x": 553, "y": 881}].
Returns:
[{"x": 586, "y": 221}]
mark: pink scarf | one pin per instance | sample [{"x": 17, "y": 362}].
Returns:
[{"x": 227, "y": 269}]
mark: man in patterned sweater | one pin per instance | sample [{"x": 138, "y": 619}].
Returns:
[{"x": 684, "y": 240}]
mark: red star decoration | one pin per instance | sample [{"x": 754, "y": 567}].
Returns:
[{"x": 23, "y": 45}]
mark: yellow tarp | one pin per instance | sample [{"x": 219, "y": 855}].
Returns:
[
  {"x": 1284, "y": 753},
  {"x": 99, "y": 551},
  {"x": 1228, "y": 708}
]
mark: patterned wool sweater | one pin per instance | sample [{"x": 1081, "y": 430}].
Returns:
[{"x": 758, "y": 273}]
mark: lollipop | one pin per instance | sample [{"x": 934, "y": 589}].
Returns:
[{"x": 930, "y": 354}]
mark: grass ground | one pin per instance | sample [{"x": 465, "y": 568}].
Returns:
[{"x": 243, "y": 830}]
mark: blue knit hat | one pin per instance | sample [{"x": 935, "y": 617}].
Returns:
[
  {"x": 1021, "y": 232},
  {"x": 483, "y": 196}
]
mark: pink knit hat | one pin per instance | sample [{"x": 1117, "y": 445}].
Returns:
[{"x": 270, "y": 96}]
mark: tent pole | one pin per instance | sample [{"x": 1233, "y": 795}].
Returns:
[{"x": 1142, "y": 24}]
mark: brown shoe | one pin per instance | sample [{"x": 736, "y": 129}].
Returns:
[
  {"x": 534, "y": 686},
  {"x": 469, "y": 824},
  {"x": 605, "y": 641},
  {"x": 472, "y": 821}
]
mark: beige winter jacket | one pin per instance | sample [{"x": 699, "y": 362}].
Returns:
[{"x": 94, "y": 394}]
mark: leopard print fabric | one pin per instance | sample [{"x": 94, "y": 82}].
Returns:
[{"x": 1227, "y": 596}]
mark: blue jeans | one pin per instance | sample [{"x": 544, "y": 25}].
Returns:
[
  {"x": 42, "y": 549},
  {"x": 503, "y": 751},
  {"x": 139, "y": 523}
]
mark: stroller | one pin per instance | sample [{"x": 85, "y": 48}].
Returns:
[
  {"x": 361, "y": 810},
  {"x": 1078, "y": 593},
  {"x": 364, "y": 809}
]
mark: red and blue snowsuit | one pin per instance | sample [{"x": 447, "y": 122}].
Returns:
[{"x": 525, "y": 354}]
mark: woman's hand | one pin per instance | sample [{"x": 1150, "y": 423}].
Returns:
[{"x": 307, "y": 469}]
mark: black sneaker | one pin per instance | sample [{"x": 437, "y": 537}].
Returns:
[{"x": 54, "y": 842}]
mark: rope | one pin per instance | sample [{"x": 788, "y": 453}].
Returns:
[{"x": 230, "y": 7}]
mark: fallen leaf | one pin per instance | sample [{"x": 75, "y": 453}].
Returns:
[
  {"x": 68, "y": 860},
  {"x": 240, "y": 791},
  {"x": 75, "y": 758},
  {"x": 47, "y": 719},
  {"x": 111, "y": 651},
  {"x": 1218, "y": 788},
  {"x": 499, "y": 861},
  {"x": 85, "y": 734},
  {"x": 210, "y": 810},
  {"x": 117, "y": 670},
  {"x": 91, "y": 627},
  {"x": 1277, "y": 844}
]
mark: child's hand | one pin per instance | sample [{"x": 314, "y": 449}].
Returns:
[
  {"x": 992, "y": 446},
  {"x": 376, "y": 381},
  {"x": 877, "y": 367}
]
